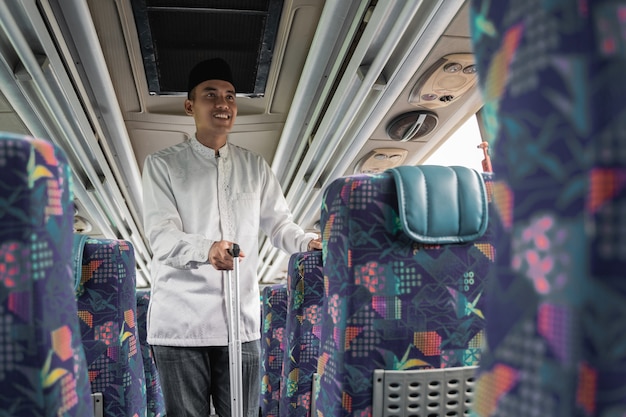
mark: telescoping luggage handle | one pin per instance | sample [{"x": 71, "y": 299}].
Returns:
[{"x": 234, "y": 341}]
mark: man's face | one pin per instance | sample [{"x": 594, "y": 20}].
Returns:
[{"x": 213, "y": 106}]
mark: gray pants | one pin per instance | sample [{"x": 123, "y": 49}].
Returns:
[{"x": 191, "y": 376}]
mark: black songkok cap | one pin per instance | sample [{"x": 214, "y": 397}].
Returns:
[{"x": 211, "y": 69}]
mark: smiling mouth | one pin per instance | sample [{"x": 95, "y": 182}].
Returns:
[{"x": 222, "y": 116}]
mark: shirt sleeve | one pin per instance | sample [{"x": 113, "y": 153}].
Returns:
[
  {"x": 163, "y": 226},
  {"x": 276, "y": 218}
]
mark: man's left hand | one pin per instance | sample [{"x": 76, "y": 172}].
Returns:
[{"x": 315, "y": 244}]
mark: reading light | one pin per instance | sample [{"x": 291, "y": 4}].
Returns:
[
  {"x": 379, "y": 160},
  {"x": 450, "y": 78}
]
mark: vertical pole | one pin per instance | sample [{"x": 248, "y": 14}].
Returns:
[{"x": 234, "y": 341}]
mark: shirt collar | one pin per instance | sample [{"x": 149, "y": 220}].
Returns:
[{"x": 206, "y": 151}]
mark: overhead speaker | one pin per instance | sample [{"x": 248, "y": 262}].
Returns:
[
  {"x": 82, "y": 225},
  {"x": 412, "y": 126}
]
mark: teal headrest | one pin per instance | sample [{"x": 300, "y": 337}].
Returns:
[
  {"x": 77, "y": 258},
  {"x": 441, "y": 205}
]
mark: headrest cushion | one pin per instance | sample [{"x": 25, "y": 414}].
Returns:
[{"x": 441, "y": 205}]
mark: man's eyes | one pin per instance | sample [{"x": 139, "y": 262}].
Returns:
[{"x": 213, "y": 95}]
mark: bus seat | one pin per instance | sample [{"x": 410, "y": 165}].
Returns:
[
  {"x": 273, "y": 316},
  {"x": 42, "y": 364},
  {"x": 555, "y": 112},
  {"x": 107, "y": 308},
  {"x": 305, "y": 296},
  {"x": 403, "y": 280},
  {"x": 154, "y": 393}
]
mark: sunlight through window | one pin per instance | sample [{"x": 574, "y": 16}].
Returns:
[{"x": 461, "y": 148}]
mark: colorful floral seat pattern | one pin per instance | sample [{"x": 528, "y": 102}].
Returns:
[
  {"x": 108, "y": 318},
  {"x": 273, "y": 316},
  {"x": 305, "y": 298},
  {"x": 154, "y": 393},
  {"x": 42, "y": 364},
  {"x": 391, "y": 302},
  {"x": 552, "y": 77}
]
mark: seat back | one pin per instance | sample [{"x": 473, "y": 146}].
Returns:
[
  {"x": 273, "y": 316},
  {"x": 305, "y": 298},
  {"x": 393, "y": 302},
  {"x": 555, "y": 112},
  {"x": 107, "y": 307},
  {"x": 154, "y": 393},
  {"x": 42, "y": 364}
]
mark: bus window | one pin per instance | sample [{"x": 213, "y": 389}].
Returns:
[{"x": 461, "y": 148}]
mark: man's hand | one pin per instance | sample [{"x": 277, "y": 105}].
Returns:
[
  {"x": 219, "y": 256},
  {"x": 315, "y": 244}
]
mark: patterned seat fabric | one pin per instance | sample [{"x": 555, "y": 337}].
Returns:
[
  {"x": 108, "y": 318},
  {"x": 42, "y": 364},
  {"x": 273, "y": 316},
  {"x": 555, "y": 113},
  {"x": 154, "y": 394},
  {"x": 391, "y": 303},
  {"x": 305, "y": 297}
]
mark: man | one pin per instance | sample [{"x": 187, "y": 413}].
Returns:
[{"x": 200, "y": 197}]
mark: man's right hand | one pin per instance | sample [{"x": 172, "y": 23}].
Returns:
[{"x": 219, "y": 256}]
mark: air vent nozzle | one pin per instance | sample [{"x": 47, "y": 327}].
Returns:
[
  {"x": 445, "y": 82},
  {"x": 380, "y": 160}
]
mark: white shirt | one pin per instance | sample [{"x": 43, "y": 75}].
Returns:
[{"x": 191, "y": 199}]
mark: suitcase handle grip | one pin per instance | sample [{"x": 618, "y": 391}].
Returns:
[{"x": 234, "y": 251}]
